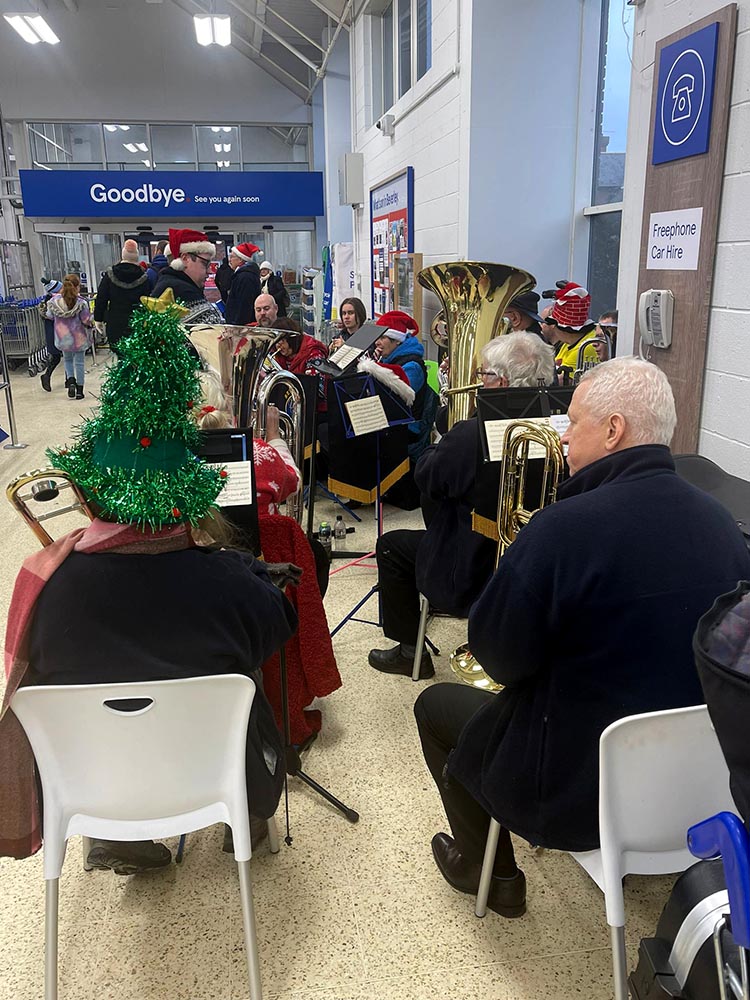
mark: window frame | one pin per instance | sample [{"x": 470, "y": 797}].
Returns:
[{"x": 376, "y": 10}]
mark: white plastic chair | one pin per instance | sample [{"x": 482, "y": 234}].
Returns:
[
  {"x": 173, "y": 766},
  {"x": 659, "y": 773}
]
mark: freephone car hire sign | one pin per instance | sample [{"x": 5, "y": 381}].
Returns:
[
  {"x": 161, "y": 194},
  {"x": 685, "y": 97}
]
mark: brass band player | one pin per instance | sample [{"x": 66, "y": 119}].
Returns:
[{"x": 588, "y": 618}]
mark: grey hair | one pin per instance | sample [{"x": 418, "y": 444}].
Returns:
[
  {"x": 639, "y": 391},
  {"x": 523, "y": 358}
]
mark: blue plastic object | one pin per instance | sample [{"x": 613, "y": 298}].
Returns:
[{"x": 724, "y": 835}]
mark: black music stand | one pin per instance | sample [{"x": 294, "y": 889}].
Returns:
[
  {"x": 366, "y": 454},
  {"x": 226, "y": 446}
]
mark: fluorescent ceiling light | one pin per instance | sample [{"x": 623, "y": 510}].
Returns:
[
  {"x": 32, "y": 28},
  {"x": 217, "y": 146},
  {"x": 125, "y": 128},
  {"x": 40, "y": 26},
  {"x": 147, "y": 162},
  {"x": 111, "y": 128},
  {"x": 131, "y": 147},
  {"x": 213, "y": 30},
  {"x": 226, "y": 128},
  {"x": 142, "y": 146},
  {"x": 227, "y": 146}
]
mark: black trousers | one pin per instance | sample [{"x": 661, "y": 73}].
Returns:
[
  {"x": 442, "y": 711},
  {"x": 396, "y": 555}
]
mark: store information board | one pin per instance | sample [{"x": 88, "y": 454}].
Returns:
[{"x": 391, "y": 232}]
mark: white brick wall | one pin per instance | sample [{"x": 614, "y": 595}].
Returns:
[{"x": 725, "y": 416}]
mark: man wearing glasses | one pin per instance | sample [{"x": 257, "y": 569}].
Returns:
[
  {"x": 607, "y": 329},
  {"x": 192, "y": 253}
]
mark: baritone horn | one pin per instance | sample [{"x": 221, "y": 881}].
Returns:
[
  {"x": 42, "y": 486},
  {"x": 474, "y": 297},
  {"x": 524, "y": 441}
]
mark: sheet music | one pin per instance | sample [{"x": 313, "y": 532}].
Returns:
[
  {"x": 367, "y": 415},
  {"x": 495, "y": 430},
  {"x": 344, "y": 356},
  {"x": 559, "y": 422},
  {"x": 238, "y": 486}
]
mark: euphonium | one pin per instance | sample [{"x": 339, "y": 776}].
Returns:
[
  {"x": 513, "y": 513},
  {"x": 44, "y": 485},
  {"x": 474, "y": 297}
]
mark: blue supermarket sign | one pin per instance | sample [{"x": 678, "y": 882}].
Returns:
[
  {"x": 685, "y": 96},
  {"x": 161, "y": 194}
]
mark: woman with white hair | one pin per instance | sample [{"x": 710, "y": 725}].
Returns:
[{"x": 517, "y": 360}]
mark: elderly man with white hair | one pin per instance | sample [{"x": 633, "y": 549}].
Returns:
[{"x": 588, "y": 618}]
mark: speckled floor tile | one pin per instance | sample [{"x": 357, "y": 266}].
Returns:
[{"x": 348, "y": 912}]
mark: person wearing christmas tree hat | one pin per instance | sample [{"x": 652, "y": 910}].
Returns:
[{"x": 131, "y": 597}]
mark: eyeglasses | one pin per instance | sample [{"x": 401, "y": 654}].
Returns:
[
  {"x": 206, "y": 261},
  {"x": 486, "y": 373},
  {"x": 606, "y": 327}
]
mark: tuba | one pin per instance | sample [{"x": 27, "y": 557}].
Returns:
[
  {"x": 513, "y": 512},
  {"x": 254, "y": 377},
  {"x": 474, "y": 297},
  {"x": 43, "y": 486}
]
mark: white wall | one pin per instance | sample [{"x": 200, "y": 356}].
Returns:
[
  {"x": 501, "y": 138},
  {"x": 725, "y": 414},
  {"x": 137, "y": 62}
]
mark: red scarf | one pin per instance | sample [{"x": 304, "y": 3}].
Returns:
[{"x": 20, "y": 822}]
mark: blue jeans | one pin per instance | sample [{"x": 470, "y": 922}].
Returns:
[{"x": 71, "y": 359}]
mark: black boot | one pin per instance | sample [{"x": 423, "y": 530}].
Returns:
[
  {"x": 53, "y": 362},
  {"x": 79, "y": 391},
  {"x": 70, "y": 385}
]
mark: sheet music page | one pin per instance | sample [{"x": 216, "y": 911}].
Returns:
[
  {"x": 345, "y": 355},
  {"x": 367, "y": 415},
  {"x": 238, "y": 486},
  {"x": 559, "y": 422},
  {"x": 495, "y": 430}
]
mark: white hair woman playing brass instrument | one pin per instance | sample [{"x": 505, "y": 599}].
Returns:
[{"x": 518, "y": 359}]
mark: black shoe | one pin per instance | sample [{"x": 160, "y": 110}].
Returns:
[
  {"x": 507, "y": 895},
  {"x": 393, "y": 661},
  {"x": 128, "y": 857},
  {"x": 70, "y": 385},
  {"x": 79, "y": 391},
  {"x": 52, "y": 363}
]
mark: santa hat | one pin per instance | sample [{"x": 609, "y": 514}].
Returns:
[
  {"x": 245, "y": 250},
  {"x": 188, "y": 241},
  {"x": 129, "y": 252},
  {"x": 392, "y": 376},
  {"x": 571, "y": 308},
  {"x": 399, "y": 325}
]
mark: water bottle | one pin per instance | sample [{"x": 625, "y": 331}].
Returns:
[
  {"x": 339, "y": 533},
  {"x": 324, "y": 537}
]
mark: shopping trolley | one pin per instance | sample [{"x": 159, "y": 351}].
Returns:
[{"x": 23, "y": 333}]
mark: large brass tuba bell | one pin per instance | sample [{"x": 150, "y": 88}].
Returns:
[
  {"x": 514, "y": 511},
  {"x": 474, "y": 297}
]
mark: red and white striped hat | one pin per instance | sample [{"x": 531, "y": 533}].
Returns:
[{"x": 571, "y": 308}]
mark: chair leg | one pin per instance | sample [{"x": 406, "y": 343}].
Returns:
[
  {"x": 52, "y": 889},
  {"x": 488, "y": 864},
  {"x": 86, "y": 843},
  {"x": 424, "y": 610},
  {"x": 180, "y": 849},
  {"x": 273, "y": 836},
  {"x": 251, "y": 939},
  {"x": 619, "y": 963}
]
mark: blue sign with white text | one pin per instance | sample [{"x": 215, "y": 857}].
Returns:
[
  {"x": 162, "y": 194},
  {"x": 685, "y": 96}
]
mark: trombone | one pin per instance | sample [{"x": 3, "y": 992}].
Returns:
[
  {"x": 44, "y": 485},
  {"x": 513, "y": 514}
]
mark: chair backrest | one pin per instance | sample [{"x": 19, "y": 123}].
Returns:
[
  {"x": 659, "y": 774},
  {"x": 173, "y": 763}
]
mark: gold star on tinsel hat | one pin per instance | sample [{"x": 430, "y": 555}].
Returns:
[{"x": 164, "y": 302}]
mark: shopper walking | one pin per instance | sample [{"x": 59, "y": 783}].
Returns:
[
  {"x": 272, "y": 284},
  {"x": 120, "y": 292},
  {"x": 72, "y": 318},
  {"x": 51, "y": 286}
]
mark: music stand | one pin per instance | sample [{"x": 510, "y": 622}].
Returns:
[
  {"x": 371, "y": 424},
  {"x": 227, "y": 446}
]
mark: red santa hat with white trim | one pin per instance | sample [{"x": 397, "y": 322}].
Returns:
[
  {"x": 399, "y": 325},
  {"x": 189, "y": 241},
  {"x": 246, "y": 251},
  {"x": 571, "y": 308},
  {"x": 393, "y": 377}
]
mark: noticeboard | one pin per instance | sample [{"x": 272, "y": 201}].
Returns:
[{"x": 391, "y": 232}]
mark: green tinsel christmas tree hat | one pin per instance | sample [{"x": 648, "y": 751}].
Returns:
[{"x": 137, "y": 458}]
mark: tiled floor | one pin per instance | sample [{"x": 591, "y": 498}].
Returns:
[{"x": 345, "y": 913}]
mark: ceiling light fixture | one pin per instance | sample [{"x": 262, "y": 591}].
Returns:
[
  {"x": 227, "y": 146},
  {"x": 147, "y": 162},
  {"x": 33, "y": 28},
  {"x": 213, "y": 30},
  {"x": 111, "y": 128},
  {"x": 142, "y": 146},
  {"x": 131, "y": 147},
  {"x": 217, "y": 147}
]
